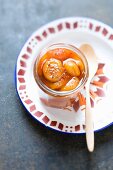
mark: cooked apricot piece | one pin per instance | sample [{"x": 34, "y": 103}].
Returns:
[
  {"x": 59, "y": 84},
  {"x": 53, "y": 70},
  {"x": 72, "y": 84},
  {"x": 80, "y": 65},
  {"x": 59, "y": 53},
  {"x": 71, "y": 67}
]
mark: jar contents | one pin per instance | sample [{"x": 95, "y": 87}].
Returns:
[{"x": 61, "y": 69}]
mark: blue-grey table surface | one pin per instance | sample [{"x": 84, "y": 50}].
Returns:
[{"x": 24, "y": 143}]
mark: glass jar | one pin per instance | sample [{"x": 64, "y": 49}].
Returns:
[{"x": 60, "y": 99}]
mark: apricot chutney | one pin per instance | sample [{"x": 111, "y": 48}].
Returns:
[{"x": 61, "y": 69}]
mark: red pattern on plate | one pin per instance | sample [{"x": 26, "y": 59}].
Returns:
[
  {"x": 45, "y": 119},
  {"x": 22, "y": 63},
  {"x": 100, "y": 92},
  {"x": 44, "y": 34},
  {"x": 60, "y": 27},
  {"x": 22, "y": 87},
  {"x": 25, "y": 56},
  {"x": 51, "y": 30},
  {"x": 60, "y": 126},
  {"x": 105, "y": 32},
  {"x": 28, "y": 101},
  {"x": 38, "y": 114},
  {"x": 100, "y": 69},
  {"x": 53, "y": 123},
  {"x": 21, "y": 80},
  {"x": 97, "y": 29},
  {"x": 111, "y": 37},
  {"x": 38, "y": 38},
  {"x": 75, "y": 25},
  {"x": 84, "y": 126},
  {"x": 29, "y": 50},
  {"x": 68, "y": 26},
  {"x": 32, "y": 108},
  {"x": 77, "y": 128},
  {"x": 101, "y": 82},
  {"x": 90, "y": 26},
  {"x": 21, "y": 72}
]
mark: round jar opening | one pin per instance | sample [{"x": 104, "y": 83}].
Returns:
[{"x": 61, "y": 69}]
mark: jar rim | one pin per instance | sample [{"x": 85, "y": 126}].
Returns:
[{"x": 62, "y": 93}]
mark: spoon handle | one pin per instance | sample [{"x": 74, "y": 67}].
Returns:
[{"x": 89, "y": 122}]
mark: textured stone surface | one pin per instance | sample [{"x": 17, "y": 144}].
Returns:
[{"x": 24, "y": 143}]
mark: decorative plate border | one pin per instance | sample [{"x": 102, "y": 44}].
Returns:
[{"x": 50, "y": 29}]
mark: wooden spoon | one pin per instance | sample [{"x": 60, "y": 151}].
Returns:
[{"x": 92, "y": 63}]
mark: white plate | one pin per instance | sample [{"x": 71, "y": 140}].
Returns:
[{"x": 75, "y": 31}]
